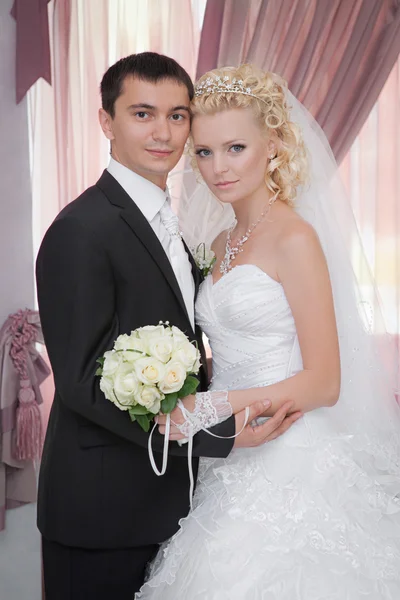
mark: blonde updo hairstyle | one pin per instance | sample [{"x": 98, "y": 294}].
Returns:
[{"x": 289, "y": 168}]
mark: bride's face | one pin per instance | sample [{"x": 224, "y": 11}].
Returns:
[{"x": 232, "y": 153}]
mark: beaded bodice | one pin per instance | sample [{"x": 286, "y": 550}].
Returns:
[{"x": 250, "y": 327}]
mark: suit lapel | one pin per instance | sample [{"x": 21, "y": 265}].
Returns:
[
  {"x": 139, "y": 225},
  {"x": 197, "y": 274}
]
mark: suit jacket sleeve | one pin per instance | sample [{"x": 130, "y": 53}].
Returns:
[{"x": 77, "y": 304}]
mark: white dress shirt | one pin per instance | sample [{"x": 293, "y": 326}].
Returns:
[{"x": 149, "y": 199}]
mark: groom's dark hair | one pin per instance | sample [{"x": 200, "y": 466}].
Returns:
[{"x": 147, "y": 66}]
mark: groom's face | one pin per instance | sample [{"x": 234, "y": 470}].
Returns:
[{"x": 150, "y": 127}]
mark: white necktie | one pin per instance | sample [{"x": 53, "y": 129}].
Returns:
[{"x": 178, "y": 258}]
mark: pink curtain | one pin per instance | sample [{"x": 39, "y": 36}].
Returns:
[
  {"x": 33, "y": 50},
  {"x": 336, "y": 55}
]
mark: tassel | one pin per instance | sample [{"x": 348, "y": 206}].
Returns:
[{"x": 29, "y": 424}]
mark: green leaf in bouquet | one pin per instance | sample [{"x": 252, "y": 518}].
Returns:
[
  {"x": 138, "y": 410},
  {"x": 101, "y": 360},
  {"x": 189, "y": 387},
  {"x": 169, "y": 403},
  {"x": 99, "y": 371},
  {"x": 144, "y": 421}
]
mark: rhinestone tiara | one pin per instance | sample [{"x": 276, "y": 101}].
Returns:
[{"x": 223, "y": 85}]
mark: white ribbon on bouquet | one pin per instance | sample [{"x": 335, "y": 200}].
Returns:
[{"x": 186, "y": 414}]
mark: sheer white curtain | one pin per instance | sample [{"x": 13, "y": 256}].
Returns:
[{"x": 371, "y": 172}]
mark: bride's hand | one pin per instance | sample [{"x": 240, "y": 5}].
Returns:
[{"x": 256, "y": 435}]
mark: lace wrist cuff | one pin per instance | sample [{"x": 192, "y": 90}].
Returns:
[{"x": 210, "y": 409}]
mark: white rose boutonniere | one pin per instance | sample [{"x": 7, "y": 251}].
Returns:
[{"x": 204, "y": 258}]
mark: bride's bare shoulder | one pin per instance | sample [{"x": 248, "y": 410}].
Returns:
[
  {"x": 297, "y": 241},
  {"x": 297, "y": 232},
  {"x": 291, "y": 228}
]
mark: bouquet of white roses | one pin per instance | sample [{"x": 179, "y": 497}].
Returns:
[{"x": 148, "y": 370}]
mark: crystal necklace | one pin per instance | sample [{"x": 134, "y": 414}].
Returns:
[{"x": 231, "y": 252}]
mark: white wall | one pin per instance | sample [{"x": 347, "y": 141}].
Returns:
[{"x": 20, "y": 573}]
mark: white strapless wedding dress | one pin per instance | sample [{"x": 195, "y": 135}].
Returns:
[{"x": 300, "y": 518}]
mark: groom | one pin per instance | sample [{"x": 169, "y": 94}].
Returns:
[{"x": 108, "y": 264}]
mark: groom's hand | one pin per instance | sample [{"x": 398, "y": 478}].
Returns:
[{"x": 268, "y": 431}]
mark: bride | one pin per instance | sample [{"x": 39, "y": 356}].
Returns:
[{"x": 314, "y": 514}]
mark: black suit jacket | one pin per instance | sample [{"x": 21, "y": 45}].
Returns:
[{"x": 101, "y": 271}]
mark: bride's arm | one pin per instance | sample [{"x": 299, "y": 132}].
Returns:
[{"x": 303, "y": 272}]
